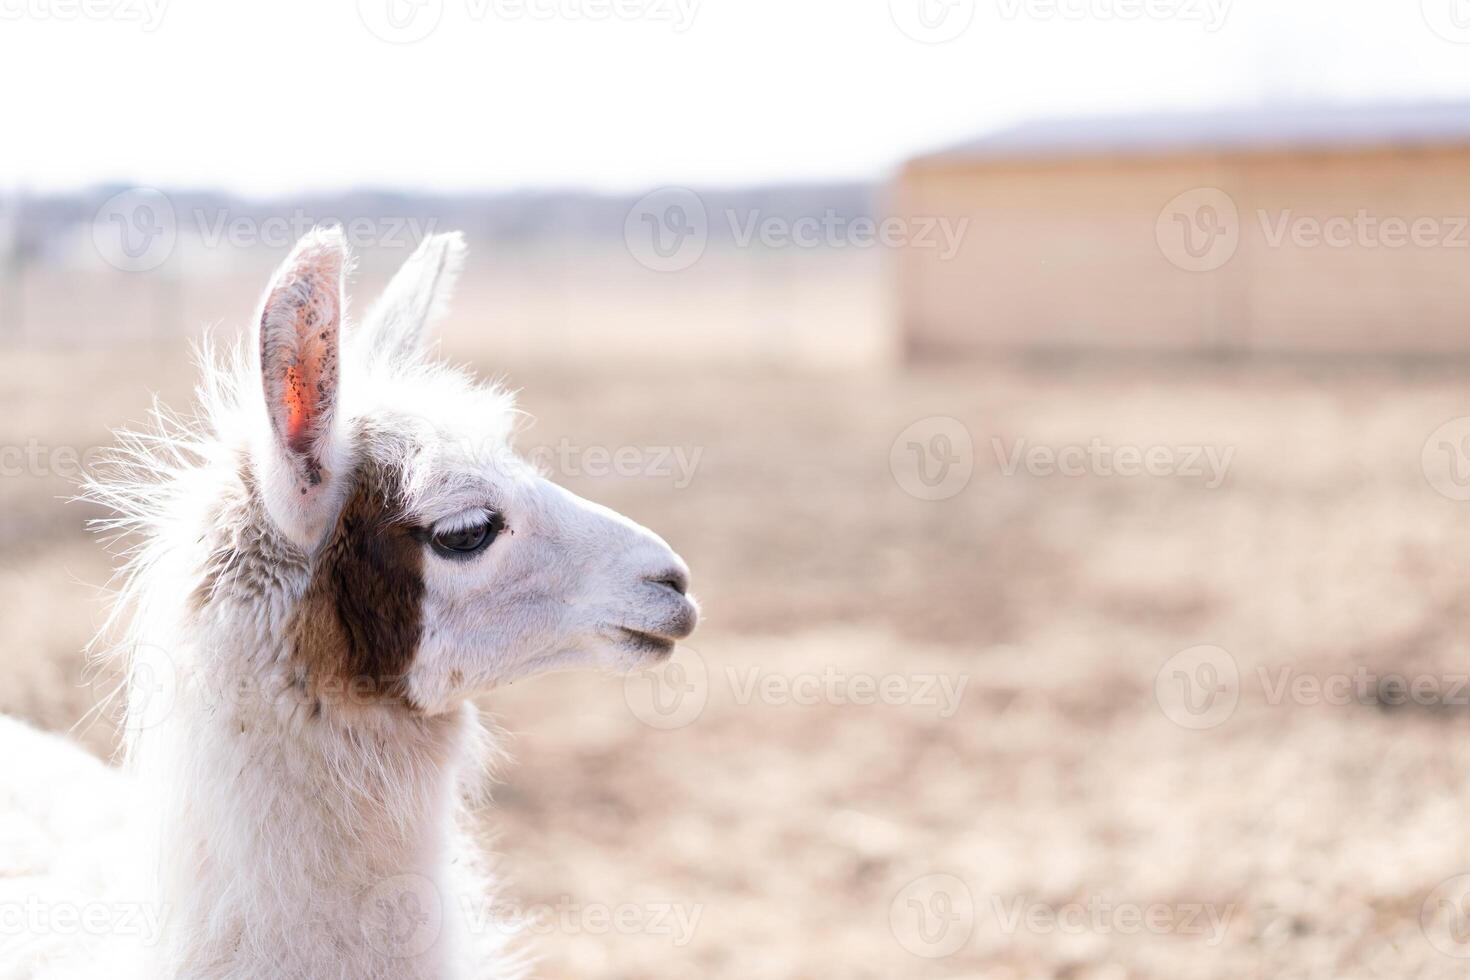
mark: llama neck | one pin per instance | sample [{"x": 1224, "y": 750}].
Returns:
[
  {"x": 301, "y": 842},
  {"x": 299, "y": 832}
]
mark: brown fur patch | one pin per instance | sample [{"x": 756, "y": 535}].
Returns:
[{"x": 358, "y": 626}]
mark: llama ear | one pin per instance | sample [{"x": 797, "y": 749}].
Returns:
[
  {"x": 417, "y": 296},
  {"x": 300, "y": 323}
]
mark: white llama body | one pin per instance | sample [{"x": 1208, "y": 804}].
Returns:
[
  {"x": 327, "y": 576},
  {"x": 63, "y": 844}
]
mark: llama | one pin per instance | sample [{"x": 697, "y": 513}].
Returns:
[{"x": 334, "y": 557}]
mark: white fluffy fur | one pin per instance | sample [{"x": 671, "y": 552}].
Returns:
[{"x": 280, "y": 834}]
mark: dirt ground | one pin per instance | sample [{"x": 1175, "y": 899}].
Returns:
[{"x": 1070, "y": 723}]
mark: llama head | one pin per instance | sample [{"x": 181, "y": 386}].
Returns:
[{"x": 439, "y": 563}]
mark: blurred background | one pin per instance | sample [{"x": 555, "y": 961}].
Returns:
[{"x": 1063, "y": 405}]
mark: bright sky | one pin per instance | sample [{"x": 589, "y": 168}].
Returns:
[{"x": 275, "y": 96}]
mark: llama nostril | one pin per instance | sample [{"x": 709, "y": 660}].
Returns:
[{"x": 675, "y": 579}]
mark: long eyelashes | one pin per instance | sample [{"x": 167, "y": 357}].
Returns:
[{"x": 466, "y": 542}]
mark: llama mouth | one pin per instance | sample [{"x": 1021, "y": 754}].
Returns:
[{"x": 661, "y": 647}]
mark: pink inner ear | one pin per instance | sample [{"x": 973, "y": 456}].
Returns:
[
  {"x": 301, "y": 407},
  {"x": 299, "y": 353}
]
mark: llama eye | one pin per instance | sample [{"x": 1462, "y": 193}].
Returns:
[{"x": 466, "y": 542}]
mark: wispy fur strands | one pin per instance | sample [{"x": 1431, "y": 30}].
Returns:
[{"x": 305, "y": 630}]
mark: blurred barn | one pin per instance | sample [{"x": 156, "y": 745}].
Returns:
[{"x": 1341, "y": 230}]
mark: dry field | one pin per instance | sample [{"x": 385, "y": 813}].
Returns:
[{"x": 889, "y": 689}]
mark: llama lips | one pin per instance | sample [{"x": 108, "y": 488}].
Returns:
[
  {"x": 660, "y": 646},
  {"x": 678, "y": 620}
]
